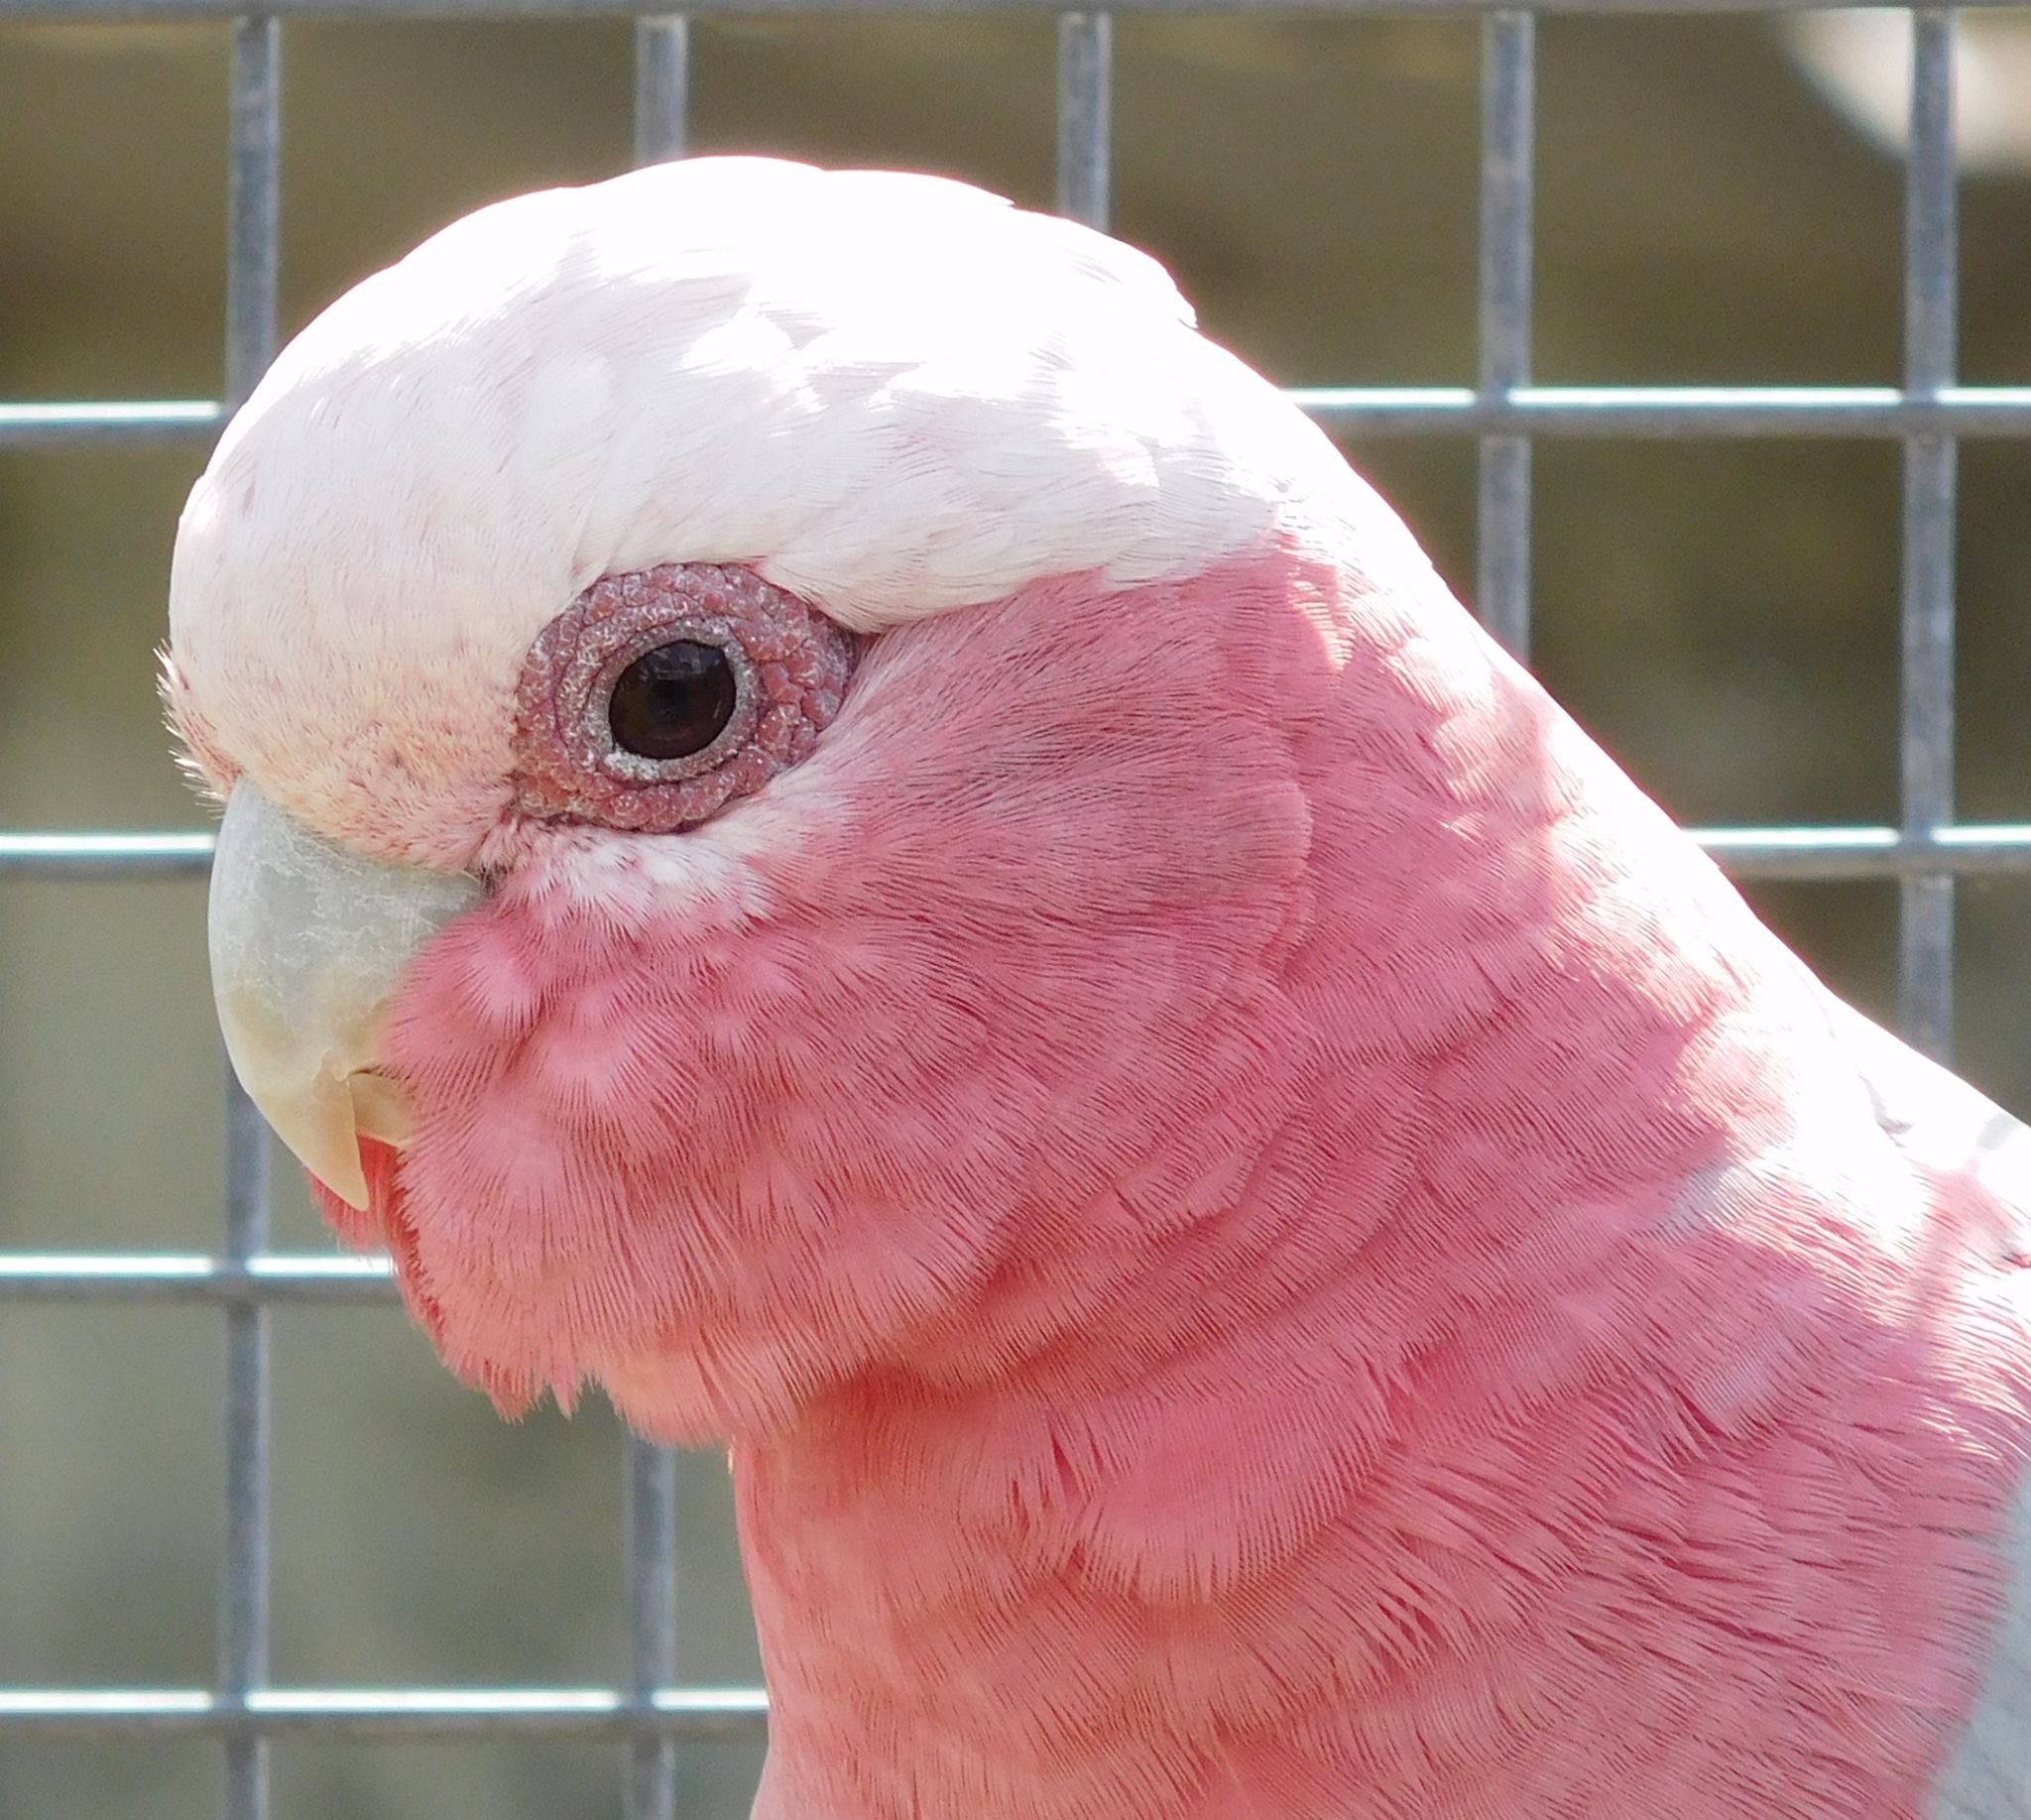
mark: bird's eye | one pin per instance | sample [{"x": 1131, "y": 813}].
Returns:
[
  {"x": 660, "y": 695},
  {"x": 673, "y": 702}
]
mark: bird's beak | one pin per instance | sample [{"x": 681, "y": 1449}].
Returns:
[{"x": 308, "y": 942}]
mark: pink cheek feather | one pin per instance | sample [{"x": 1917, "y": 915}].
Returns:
[
  {"x": 760, "y": 1155},
  {"x": 1179, "y": 1188}
]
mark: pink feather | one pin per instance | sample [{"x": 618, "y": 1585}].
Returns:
[{"x": 1261, "y": 1224}]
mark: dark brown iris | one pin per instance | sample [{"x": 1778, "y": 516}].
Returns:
[{"x": 672, "y": 701}]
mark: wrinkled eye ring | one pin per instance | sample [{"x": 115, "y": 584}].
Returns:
[
  {"x": 789, "y": 664},
  {"x": 615, "y": 759}
]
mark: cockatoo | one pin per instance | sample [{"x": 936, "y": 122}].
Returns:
[{"x": 835, "y": 823}]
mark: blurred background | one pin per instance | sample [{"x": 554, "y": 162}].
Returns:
[{"x": 1719, "y": 200}]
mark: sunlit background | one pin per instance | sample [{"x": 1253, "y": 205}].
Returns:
[{"x": 1719, "y": 200}]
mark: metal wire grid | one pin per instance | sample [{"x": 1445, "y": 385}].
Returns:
[{"x": 1925, "y": 852}]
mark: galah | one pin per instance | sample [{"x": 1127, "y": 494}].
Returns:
[{"x": 837, "y": 824}]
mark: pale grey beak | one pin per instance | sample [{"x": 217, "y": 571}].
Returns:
[{"x": 308, "y": 942}]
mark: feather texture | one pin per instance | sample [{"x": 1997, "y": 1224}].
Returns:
[
  {"x": 890, "y": 395},
  {"x": 1271, "y": 1239},
  {"x": 1279, "y": 1258}
]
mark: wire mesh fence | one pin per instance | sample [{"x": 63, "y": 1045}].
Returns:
[{"x": 645, "y": 1715}]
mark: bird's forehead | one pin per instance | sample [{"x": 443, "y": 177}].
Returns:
[{"x": 890, "y": 395}]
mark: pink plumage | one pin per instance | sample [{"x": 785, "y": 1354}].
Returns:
[{"x": 1270, "y": 1239}]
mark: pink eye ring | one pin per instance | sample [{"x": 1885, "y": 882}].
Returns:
[{"x": 658, "y": 697}]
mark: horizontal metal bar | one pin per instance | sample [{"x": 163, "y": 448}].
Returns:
[
  {"x": 180, "y": 1277},
  {"x": 169, "y": 419},
  {"x": 105, "y": 856},
  {"x": 387, "y": 1714},
  {"x": 1397, "y": 410},
  {"x": 1670, "y": 410},
  {"x": 1750, "y": 853},
  {"x": 110, "y": 11},
  {"x": 1995, "y": 850}
]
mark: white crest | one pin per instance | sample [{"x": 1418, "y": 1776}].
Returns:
[{"x": 892, "y": 395}]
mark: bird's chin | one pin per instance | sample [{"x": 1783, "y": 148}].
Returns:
[
  {"x": 362, "y": 1229},
  {"x": 387, "y": 1223},
  {"x": 383, "y": 1223}
]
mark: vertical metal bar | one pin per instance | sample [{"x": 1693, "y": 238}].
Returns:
[
  {"x": 253, "y": 191},
  {"x": 651, "y": 1620},
  {"x": 1086, "y": 81},
  {"x": 1930, "y": 309},
  {"x": 243, "y": 1594},
  {"x": 662, "y": 101},
  {"x": 253, "y": 205},
  {"x": 1508, "y": 82},
  {"x": 662, "y": 87}
]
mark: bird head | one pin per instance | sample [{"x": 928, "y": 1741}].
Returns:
[{"x": 771, "y": 726}]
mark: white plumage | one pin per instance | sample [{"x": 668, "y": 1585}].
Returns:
[{"x": 891, "y": 395}]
